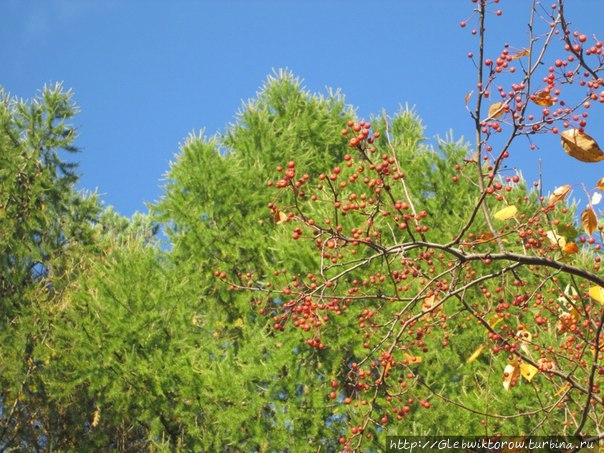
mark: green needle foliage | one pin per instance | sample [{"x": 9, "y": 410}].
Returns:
[{"x": 113, "y": 340}]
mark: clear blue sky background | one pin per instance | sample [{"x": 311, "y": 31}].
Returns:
[{"x": 147, "y": 73}]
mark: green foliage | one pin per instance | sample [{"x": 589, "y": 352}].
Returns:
[
  {"x": 216, "y": 212},
  {"x": 44, "y": 225},
  {"x": 113, "y": 340},
  {"x": 40, "y": 212}
]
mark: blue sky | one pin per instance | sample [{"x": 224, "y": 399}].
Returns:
[{"x": 147, "y": 73}]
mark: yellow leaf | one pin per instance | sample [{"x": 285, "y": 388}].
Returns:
[
  {"x": 528, "y": 371},
  {"x": 280, "y": 217},
  {"x": 589, "y": 221},
  {"x": 494, "y": 321},
  {"x": 581, "y": 146},
  {"x": 574, "y": 314},
  {"x": 496, "y": 110},
  {"x": 475, "y": 354},
  {"x": 563, "y": 389},
  {"x": 600, "y": 184},
  {"x": 571, "y": 248},
  {"x": 542, "y": 98},
  {"x": 559, "y": 194},
  {"x": 468, "y": 96},
  {"x": 597, "y": 293},
  {"x": 510, "y": 373},
  {"x": 484, "y": 237},
  {"x": 96, "y": 418},
  {"x": 412, "y": 359},
  {"x": 506, "y": 213},
  {"x": 521, "y": 53},
  {"x": 556, "y": 239}
]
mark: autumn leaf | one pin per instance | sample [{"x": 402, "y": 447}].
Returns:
[
  {"x": 574, "y": 314},
  {"x": 600, "y": 184},
  {"x": 468, "y": 96},
  {"x": 412, "y": 359},
  {"x": 280, "y": 217},
  {"x": 494, "y": 321},
  {"x": 510, "y": 373},
  {"x": 506, "y": 213},
  {"x": 596, "y": 198},
  {"x": 597, "y": 293},
  {"x": 475, "y": 354},
  {"x": 556, "y": 239},
  {"x": 571, "y": 248},
  {"x": 563, "y": 389},
  {"x": 521, "y": 53},
  {"x": 589, "y": 221},
  {"x": 496, "y": 110},
  {"x": 96, "y": 418},
  {"x": 559, "y": 194},
  {"x": 581, "y": 146},
  {"x": 387, "y": 366},
  {"x": 542, "y": 98},
  {"x": 528, "y": 371},
  {"x": 484, "y": 237}
]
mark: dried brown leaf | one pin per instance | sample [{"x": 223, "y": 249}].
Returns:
[
  {"x": 521, "y": 53},
  {"x": 542, "y": 98},
  {"x": 559, "y": 194},
  {"x": 581, "y": 146},
  {"x": 600, "y": 184},
  {"x": 570, "y": 248},
  {"x": 496, "y": 110},
  {"x": 484, "y": 237},
  {"x": 412, "y": 358},
  {"x": 589, "y": 221},
  {"x": 468, "y": 96}
]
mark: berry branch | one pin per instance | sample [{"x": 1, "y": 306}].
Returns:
[{"x": 413, "y": 270}]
